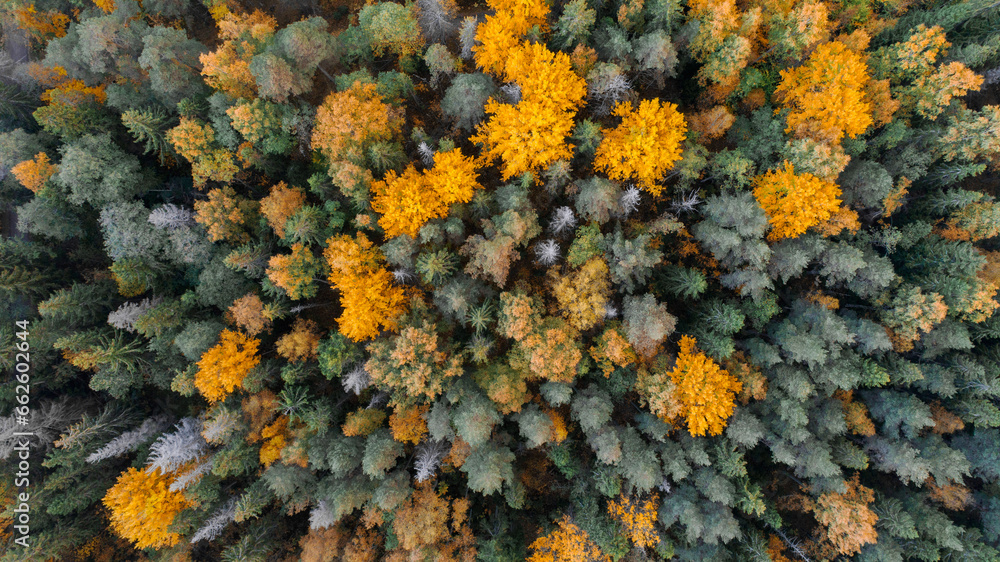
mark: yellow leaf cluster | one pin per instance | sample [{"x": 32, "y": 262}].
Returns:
[
  {"x": 613, "y": 351},
  {"x": 227, "y": 69},
  {"x": 794, "y": 202},
  {"x": 501, "y": 32},
  {"x": 224, "y": 214},
  {"x": 302, "y": 343},
  {"x": 531, "y": 135},
  {"x": 425, "y": 532},
  {"x": 34, "y": 173},
  {"x": 408, "y": 201},
  {"x": 280, "y": 205},
  {"x": 274, "y": 437},
  {"x": 41, "y": 26},
  {"x": 582, "y": 294},
  {"x": 223, "y": 367},
  {"x": 832, "y": 72},
  {"x": 142, "y": 507},
  {"x": 407, "y": 424},
  {"x": 370, "y": 299},
  {"x": 195, "y": 141},
  {"x": 295, "y": 272},
  {"x": 705, "y": 391},
  {"x": 417, "y": 362},
  {"x": 645, "y": 146},
  {"x": 363, "y": 421},
  {"x": 567, "y": 543},
  {"x": 638, "y": 517},
  {"x": 351, "y": 118}
]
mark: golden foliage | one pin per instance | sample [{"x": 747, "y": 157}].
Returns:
[
  {"x": 142, "y": 507},
  {"x": 407, "y": 424},
  {"x": 280, "y": 205},
  {"x": 501, "y": 32},
  {"x": 832, "y": 72},
  {"x": 323, "y": 545},
  {"x": 417, "y": 362},
  {"x": 408, "y": 201},
  {"x": 195, "y": 141},
  {"x": 422, "y": 527},
  {"x": 844, "y": 218},
  {"x": 551, "y": 352},
  {"x": 529, "y": 136},
  {"x": 227, "y": 69},
  {"x": 855, "y": 414},
  {"x": 274, "y": 437},
  {"x": 845, "y": 519},
  {"x": 645, "y": 146},
  {"x": 223, "y": 367},
  {"x": 41, "y": 26},
  {"x": 295, "y": 272},
  {"x": 945, "y": 422},
  {"x": 352, "y": 118},
  {"x": 566, "y": 543},
  {"x": 302, "y": 343},
  {"x": 107, "y": 6},
  {"x": 638, "y": 517},
  {"x": 794, "y": 202},
  {"x": 224, "y": 214},
  {"x": 582, "y": 294},
  {"x": 370, "y": 299},
  {"x": 34, "y": 173},
  {"x": 657, "y": 389},
  {"x": 559, "y": 429},
  {"x": 363, "y": 421},
  {"x": 248, "y": 313},
  {"x": 705, "y": 391},
  {"x": 613, "y": 350}
]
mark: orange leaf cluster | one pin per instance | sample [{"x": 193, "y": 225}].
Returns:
[
  {"x": 416, "y": 362},
  {"x": 501, "y": 32},
  {"x": 363, "y": 421},
  {"x": 227, "y": 69},
  {"x": 638, "y": 517},
  {"x": 274, "y": 437},
  {"x": 407, "y": 424},
  {"x": 370, "y": 299},
  {"x": 613, "y": 351},
  {"x": 531, "y": 135},
  {"x": 280, "y": 205},
  {"x": 408, "y": 201},
  {"x": 705, "y": 391},
  {"x": 645, "y": 146},
  {"x": 224, "y": 214},
  {"x": 847, "y": 521},
  {"x": 832, "y": 72},
  {"x": 223, "y": 367},
  {"x": 567, "y": 543},
  {"x": 855, "y": 414},
  {"x": 34, "y": 173},
  {"x": 794, "y": 202},
  {"x": 142, "y": 507},
  {"x": 295, "y": 272},
  {"x": 248, "y": 313},
  {"x": 302, "y": 343},
  {"x": 425, "y": 533},
  {"x": 351, "y": 118},
  {"x": 41, "y": 26},
  {"x": 751, "y": 377}
]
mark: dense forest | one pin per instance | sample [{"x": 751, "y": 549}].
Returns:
[{"x": 546, "y": 280}]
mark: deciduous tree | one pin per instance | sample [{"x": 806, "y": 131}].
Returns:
[{"x": 645, "y": 146}]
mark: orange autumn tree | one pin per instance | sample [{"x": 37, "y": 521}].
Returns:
[
  {"x": 704, "y": 390},
  {"x": 280, "y": 205},
  {"x": 430, "y": 527},
  {"x": 142, "y": 507},
  {"x": 223, "y": 367},
  {"x": 296, "y": 272},
  {"x": 227, "y": 68},
  {"x": 566, "y": 543},
  {"x": 832, "y": 72},
  {"x": 407, "y": 423},
  {"x": 794, "y": 202},
  {"x": 645, "y": 146},
  {"x": 34, "y": 173},
  {"x": 349, "y": 120},
  {"x": 531, "y": 135},
  {"x": 368, "y": 296},
  {"x": 846, "y": 521},
  {"x": 41, "y": 26},
  {"x": 408, "y": 201},
  {"x": 225, "y": 215},
  {"x": 638, "y": 518},
  {"x": 302, "y": 343}
]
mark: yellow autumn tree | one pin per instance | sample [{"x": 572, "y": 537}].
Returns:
[
  {"x": 832, "y": 72},
  {"x": 638, "y": 518},
  {"x": 407, "y": 423},
  {"x": 35, "y": 172},
  {"x": 705, "y": 391},
  {"x": 408, "y": 201},
  {"x": 794, "y": 202},
  {"x": 613, "y": 351},
  {"x": 582, "y": 294},
  {"x": 296, "y": 272},
  {"x": 502, "y": 31},
  {"x": 566, "y": 543},
  {"x": 645, "y": 146},
  {"x": 302, "y": 343},
  {"x": 248, "y": 313},
  {"x": 227, "y": 68},
  {"x": 280, "y": 205},
  {"x": 225, "y": 215},
  {"x": 41, "y": 26},
  {"x": 142, "y": 507},
  {"x": 195, "y": 141},
  {"x": 368, "y": 296},
  {"x": 223, "y": 367},
  {"x": 350, "y": 119},
  {"x": 531, "y": 135}
]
